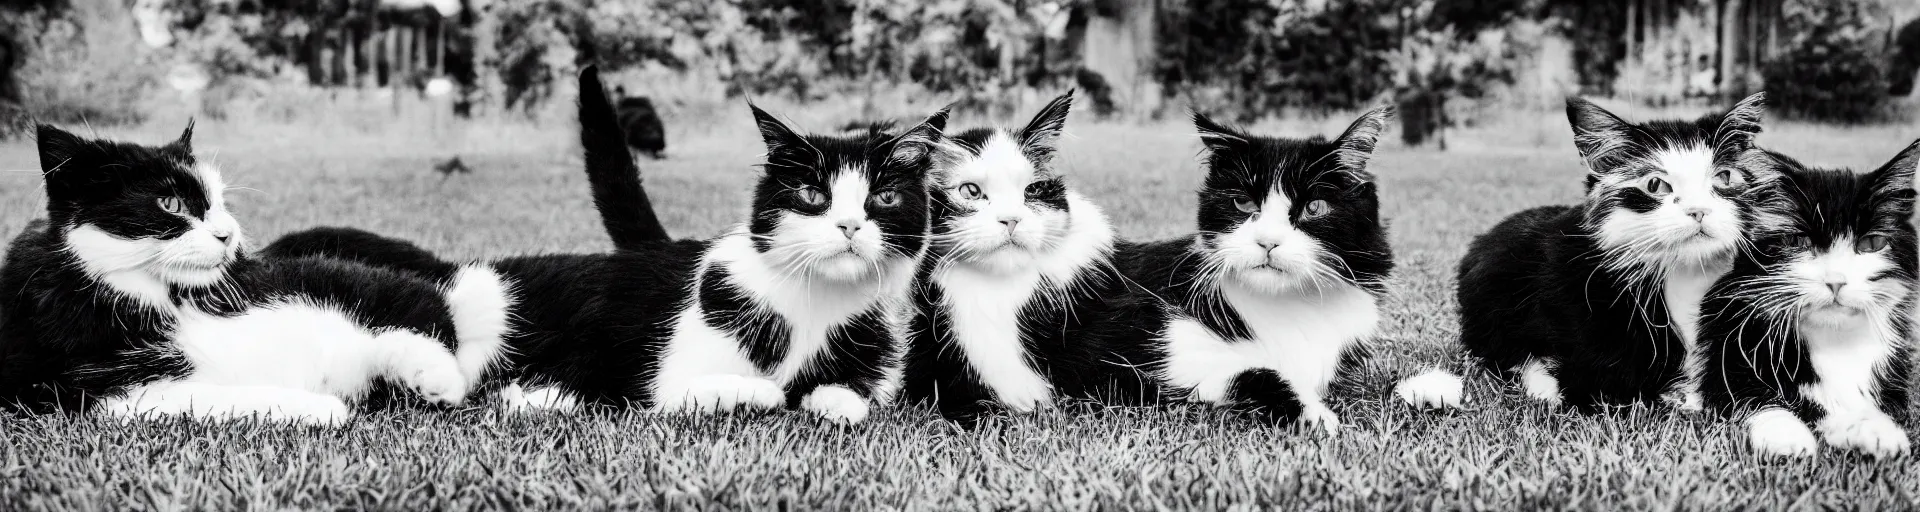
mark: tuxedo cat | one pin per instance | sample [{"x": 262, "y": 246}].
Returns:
[
  {"x": 795, "y": 308},
  {"x": 1813, "y": 324},
  {"x": 1009, "y": 304},
  {"x": 1270, "y": 305},
  {"x": 1596, "y": 303},
  {"x": 134, "y": 297}
]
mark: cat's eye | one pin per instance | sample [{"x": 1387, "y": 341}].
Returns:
[
  {"x": 1316, "y": 208},
  {"x": 971, "y": 191},
  {"x": 1659, "y": 187},
  {"x": 1245, "y": 205},
  {"x": 1799, "y": 241},
  {"x": 1724, "y": 179},
  {"x": 1870, "y": 243},
  {"x": 812, "y": 196},
  {"x": 173, "y": 205},
  {"x": 886, "y": 198}
]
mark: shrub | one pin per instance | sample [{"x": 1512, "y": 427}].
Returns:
[{"x": 1830, "y": 69}]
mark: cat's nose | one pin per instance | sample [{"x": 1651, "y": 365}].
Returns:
[
  {"x": 1697, "y": 213},
  {"x": 1835, "y": 282},
  {"x": 1267, "y": 246},
  {"x": 223, "y": 236},
  {"x": 1010, "y": 222},
  {"x": 848, "y": 227}
]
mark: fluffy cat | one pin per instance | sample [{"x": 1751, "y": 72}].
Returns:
[
  {"x": 1009, "y": 303},
  {"x": 795, "y": 308},
  {"x": 1269, "y": 306},
  {"x": 134, "y": 297},
  {"x": 1596, "y": 303},
  {"x": 1813, "y": 324}
]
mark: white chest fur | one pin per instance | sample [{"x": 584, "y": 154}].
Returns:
[
  {"x": 1685, "y": 286},
  {"x": 984, "y": 305},
  {"x": 1848, "y": 359},
  {"x": 1301, "y": 336},
  {"x": 810, "y": 308}
]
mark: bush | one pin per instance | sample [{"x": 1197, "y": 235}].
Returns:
[
  {"x": 1830, "y": 70},
  {"x": 1906, "y": 59},
  {"x": 79, "y": 65}
]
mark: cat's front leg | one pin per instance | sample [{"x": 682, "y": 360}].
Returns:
[
  {"x": 1776, "y": 432},
  {"x": 424, "y": 365},
  {"x": 225, "y": 403},
  {"x": 1870, "y": 432},
  {"x": 836, "y": 403},
  {"x": 1265, "y": 392}
]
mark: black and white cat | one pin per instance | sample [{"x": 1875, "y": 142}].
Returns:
[
  {"x": 798, "y": 307},
  {"x": 1596, "y": 303},
  {"x": 134, "y": 297},
  {"x": 1813, "y": 324},
  {"x": 1271, "y": 304},
  {"x": 1010, "y": 303}
]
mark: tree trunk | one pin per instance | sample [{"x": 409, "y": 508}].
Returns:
[{"x": 1120, "y": 48}]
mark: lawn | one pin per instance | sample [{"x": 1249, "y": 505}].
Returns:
[{"x": 528, "y": 195}]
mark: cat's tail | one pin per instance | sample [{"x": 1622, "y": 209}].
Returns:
[
  {"x": 624, "y": 207},
  {"x": 1432, "y": 389},
  {"x": 482, "y": 306}
]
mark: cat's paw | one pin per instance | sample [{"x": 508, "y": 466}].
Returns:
[
  {"x": 516, "y": 399},
  {"x": 1875, "y": 435},
  {"x": 1537, "y": 380},
  {"x": 424, "y": 366},
  {"x": 717, "y": 393},
  {"x": 1319, "y": 417},
  {"x": 1778, "y": 433},
  {"x": 836, "y": 403},
  {"x": 1432, "y": 389}
]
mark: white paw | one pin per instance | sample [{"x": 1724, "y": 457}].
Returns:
[
  {"x": 1536, "y": 379},
  {"x": 1875, "y": 435},
  {"x": 1778, "y": 433},
  {"x": 836, "y": 403},
  {"x": 715, "y": 393},
  {"x": 1432, "y": 389},
  {"x": 1319, "y": 417},
  {"x": 423, "y": 365},
  {"x": 515, "y": 399}
]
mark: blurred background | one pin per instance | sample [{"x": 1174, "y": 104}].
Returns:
[{"x": 377, "y": 66}]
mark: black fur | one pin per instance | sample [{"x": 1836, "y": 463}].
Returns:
[
  {"x": 1755, "y": 356},
  {"x": 625, "y": 210},
  {"x": 1537, "y": 285}
]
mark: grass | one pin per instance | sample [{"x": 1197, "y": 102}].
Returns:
[{"x": 528, "y": 196}]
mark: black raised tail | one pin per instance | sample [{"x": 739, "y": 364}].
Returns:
[{"x": 624, "y": 207}]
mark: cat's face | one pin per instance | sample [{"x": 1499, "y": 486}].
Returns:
[
  {"x": 1837, "y": 245},
  {"x": 125, "y": 207},
  {"x": 1284, "y": 214},
  {"x": 998, "y": 203},
  {"x": 840, "y": 208},
  {"x": 1668, "y": 192}
]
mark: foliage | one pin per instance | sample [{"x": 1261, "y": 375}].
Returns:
[
  {"x": 1906, "y": 59},
  {"x": 80, "y": 65},
  {"x": 1831, "y": 68},
  {"x": 1272, "y": 55}
]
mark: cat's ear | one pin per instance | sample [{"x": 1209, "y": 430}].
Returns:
[
  {"x": 186, "y": 136},
  {"x": 782, "y": 142},
  {"x": 1355, "y": 146},
  {"x": 1895, "y": 179},
  {"x": 1216, "y": 136},
  {"x": 1041, "y": 136},
  {"x": 57, "y": 148},
  {"x": 913, "y": 147},
  {"x": 1736, "y": 129},
  {"x": 1597, "y": 133}
]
